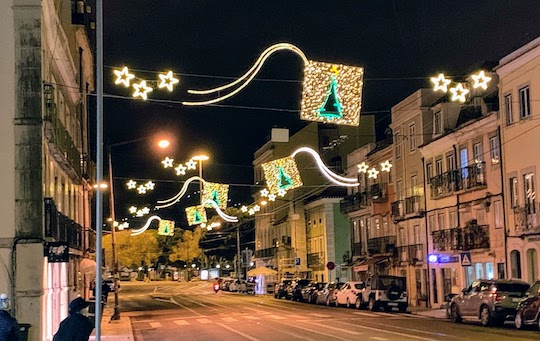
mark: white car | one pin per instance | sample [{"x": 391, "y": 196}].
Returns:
[{"x": 349, "y": 294}]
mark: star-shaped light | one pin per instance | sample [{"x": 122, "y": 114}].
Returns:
[
  {"x": 334, "y": 69},
  {"x": 386, "y": 165},
  {"x": 191, "y": 164},
  {"x": 459, "y": 92},
  {"x": 150, "y": 185},
  {"x": 141, "y": 90},
  {"x": 251, "y": 211},
  {"x": 372, "y": 173},
  {"x": 362, "y": 168},
  {"x": 481, "y": 80},
  {"x": 281, "y": 192},
  {"x": 123, "y": 77},
  {"x": 244, "y": 209},
  {"x": 140, "y": 213},
  {"x": 133, "y": 210},
  {"x": 145, "y": 210},
  {"x": 440, "y": 83},
  {"x": 180, "y": 170},
  {"x": 131, "y": 184},
  {"x": 256, "y": 208},
  {"x": 272, "y": 197},
  {"x": 141, "y": 189},
  {"x": 264, "y": 192},
  {"x": 167, "y": 81},
  {"x": 167, "y": 162}
]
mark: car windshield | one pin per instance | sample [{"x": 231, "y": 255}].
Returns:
[
  {"x": 513, "y": 287},
  {"x": 359, "y": 286},
  {"x": 384, "y": 283},
  {"x": 303, "y": 282}
]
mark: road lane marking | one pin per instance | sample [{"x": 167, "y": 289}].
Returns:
[
  {"x": 386, "y": 331},
  {"x": 298, "y": 317},
  {"x": 412, "y": 329},
  {"x": 249, "y": 317},
  {"x": 276, "y": 317},
  {"x": 378, "y": 338},
  {"x": 320, "y": 315},
  {"x": 334, "y": 328},
  {"x": 238, "y": 332},
  {"x": 204, "y": 321},
  {"x": 229, "y": 319},
  {"x": 181, "y": 322},
  {"x": 172, "y": 300},
  {"x": 314, "y": 331},
  {"x": 156, "y": 324},
  {"x": 364, "y": 314}
]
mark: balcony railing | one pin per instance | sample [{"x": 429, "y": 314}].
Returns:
[
  {"x": 61, "y": 228},
  {"x": 265, "y": 253},
  {"x": 465, "y": 178},
  {"x": 353, "y": 202},
  {"x": 527, "y": 218},
  {"x": 412, "y": 253},
  {"x": 91, "y": 247},
  {"x": 381, "y": 245},
  {"x": 379, "y": 192},
  {"x": 315, "y": 259},
  {"x": 358, "y": 249},
  {"x": 463, "y": 239},
  {"x": 410, "y": 207}
]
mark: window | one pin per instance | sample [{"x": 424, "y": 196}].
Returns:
[
  {"x": 453, "y": 219},
  {"x": 515, "y": 264},
  {"x": 414, "y": 185},
  {"x": 429, "y": 171},
  {"x": 412, "y": 137},
  {"x": 478, "y": 153},
  {"x": 399, "y": 190},
  {"x": 498, "y": 213},
  {"x": 432, "y": 226},
  {"x": 508, "y": 109},
  {"x": 494, "y": 149},
  {"x": 450, "y": 162},
  {"x": 524, "y": 103},
  {"x": 530, "y": 194},
  {"x": 437, "y": 123},
  {"x": 514, "y": 201},
  {"x": 398, "y": 144},
  {"x": 441, "y": 221},
  {"x": 438, "y": 167}
]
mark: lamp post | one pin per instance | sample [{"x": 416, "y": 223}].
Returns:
[{"x": 200, "y": 158}]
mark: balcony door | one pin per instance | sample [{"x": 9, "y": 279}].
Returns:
[
  {"x": 530, "y": 194},
  {"x": 464, "y": 162}
]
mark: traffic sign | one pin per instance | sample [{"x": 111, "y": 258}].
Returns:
[
  {"x": 330, "y": 265},
  {"x": 297, "y": 262},
  {"x": 466, "y": 259}
]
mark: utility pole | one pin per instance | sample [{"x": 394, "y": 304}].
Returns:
[
  {"x": 238, "y": 264},
  {"x": 116, "y": 314}
]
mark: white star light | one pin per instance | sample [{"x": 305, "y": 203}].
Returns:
[
  {"x": 167, "y": 81},
  {"x": 131, "y": 184},
  {"x": 141, "y": 189},
  {"x": 167, "y": 162},
  {"x": 180, "y": 170},
  {"x": 140, "y": 213},
  {"x": 481, "y": 80},
  {"x": 150, "y": 185},
  {"x": 244, "y": 209},
  {"x": 458, "y": 93},
  {"x": 272, "y": 197},
  {"x": 123, "y": 77},
  {"x": 191, "y": 164},
  {"x": 133, "y": 210},
  {"x": 256, "y": 208},
  {"x": 281, "y": 192},
  {"x": 362, "y": 168},
  {"x": 440, "y": 83},
  {"x": 141, "y": 90},
  {"x": 251, "y": 211},
  {"x": 264, "y": 192},
  {"x": 145, "y": 210},
  {"x": 385, "y": 166},
  {"x": 372, "y": 173}
]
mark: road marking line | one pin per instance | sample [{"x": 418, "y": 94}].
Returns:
[
  {"x": 156, "y": 324},
  {"x": 276, "y": 317},
  {"x": 320, "y": 315},
  {"x": 172, "y": 300},
  {"x": 314, "y": 331},
  {"x": 384, "y": 314},
  {"x": 298, "y": 317},
  {"x": 334, "y": 328},
  {"x": 181, "y": 322},
  {"x": 204, "y": 321},
  {"x": 415, "y": 316},
  {"x": 386, "y": 331},
  {"x": 229, "y": 319},
  {"x": 252, "y": 317},
  {"x": 364, "y": 314},
  {"x": 238, "y": 332},
  {"x": 412, "y": 329},
  {"x": 378, "y": 338}
]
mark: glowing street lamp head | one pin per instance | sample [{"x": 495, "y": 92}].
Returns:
[
  {"x": 163, "y": 144},
  {"x": 200, "y": 157}
]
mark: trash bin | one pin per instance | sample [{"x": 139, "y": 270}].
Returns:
[{"x": 23, "y": 331}]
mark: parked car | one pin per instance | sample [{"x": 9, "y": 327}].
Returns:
[
  {"x": 225, "y": 284},
  {"x": 350, "y": 294},
  {"x": 281, "y": 288},
  {"x": 238, "y": 285},
  {"x": 294, "y": 291},
  {"x": 310, "y": 292},
  {"x": 388, "y": 292},
  {"x": 528, "y": 309},
  {"x": 490, "y": 301},
  {"x": 328, "y": 294}
]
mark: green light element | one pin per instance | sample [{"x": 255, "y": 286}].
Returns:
[
  {"x": 197, "y": 217},
  {"x": 166, "y": 228},
  {"x": 215, "y": 196},
  {"x": 284, "y": 180},
  {"x": 331, "y": 108}
]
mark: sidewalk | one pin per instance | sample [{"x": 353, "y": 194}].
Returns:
[
  {"x": 115, "y": 330},
  {"x": 433, "y": 313}
]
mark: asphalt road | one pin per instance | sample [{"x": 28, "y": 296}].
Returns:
[{"x": 164, "y": 311}]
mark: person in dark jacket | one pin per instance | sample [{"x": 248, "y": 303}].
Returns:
[
  {"x": 76, "y": 327},
  {"x": 9, "y": 328}
]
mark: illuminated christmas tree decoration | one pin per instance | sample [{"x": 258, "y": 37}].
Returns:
[
  {"x": 145, "y": 210},
  {"x": 166, "y": 227},
  {"x": 372, "y": 173},
  {"x": 282, "y": 174},
  {"x": 215, "y": 192},
  {"x": 132, "y": 210},
  {"x": 168, "y": 162},
  {"x": 181, "y": 169},
  {"x": 481, "y": 80},
  {"x": 440, "y": 83},
  {"x": 256, "y": 208},
  {"x": 141, "y": 189},
  {"x": 148, "y": 222},
  {"x": 167, "y": 81},
  {"x": 150, "y": 186},
  {"x": 362, "y": 168},
  {"x": 281, "y": 192},
  {"x": 123, "y": 77},
  {"x": 264, "y": 192},
  {"x": 195, "y": 215},
  {"x": 226, "y": 217},
  {"x": 141, "y": 90},
  {"x": 458, "y": 93},
  {"x": 385, "y": 166},
  {"x": 131, "y": 184},
  {"x": 332, "y": 93},
  {"x": 171, "y": 201},
  {"x": 251, "y": 211},
  {"x": 272, "y": 197},
  {"x": 191, "y": 165}
]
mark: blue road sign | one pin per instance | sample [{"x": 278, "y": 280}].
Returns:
[{"x": 297, "y": 261}]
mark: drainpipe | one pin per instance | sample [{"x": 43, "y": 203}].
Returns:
[
  {"x": 503, "y": 185},
  {"x": 428, "y": 302}
]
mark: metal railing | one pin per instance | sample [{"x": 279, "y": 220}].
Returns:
[
  {"x": 527, "y": 218},
  {"x": 61, "y": 228},
  {"x": 315, "y": 259},
  {"x": 411, "y": 253},
  {"x": 358, "y": 249},
  {"x": 353, "y": 202},
  {"x": 381, "y": 245},
  {"x": 413, "y": 206},
  {"x": 465, "y": 178},
  {"x": 468, "y": 238},
  {"x": 265, "y": 253},
  {"x": 379, "y": 192}
]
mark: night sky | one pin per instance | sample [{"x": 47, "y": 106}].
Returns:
[{"x": 399, "y": 43}]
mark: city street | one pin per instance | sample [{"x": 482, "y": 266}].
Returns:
[{"x": 192, "y": 311}]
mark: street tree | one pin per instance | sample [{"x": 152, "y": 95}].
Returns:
[
  {"x": 133, "y": 250},
  {"x": 187, "y": 248}
]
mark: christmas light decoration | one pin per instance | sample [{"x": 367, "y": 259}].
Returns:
[
  {"x": 171, "y": 201},
  {"x": 181, "y": 169},
  {"x": 141, "y": 90},
  {"x": 372, "y": 173},
  {"x": 141, "y": 189},
  {"x": 139, "y": 213},
  {"x": 133, "y": 210},
  {"x": 124, "y": 225},
  {"x": 145, "y": 210},
  {"x": 281, "y": 192},
  {"x": 363, "y": 167},
  {"x": 385, "y": 166},
  {"x": 166, "y": 227},
  {"x": 440, "y": 83},
  {"x": 459, "y": 92},
  {"x": 167, "y": 81},
  {"x": 272, "y": 197},
  {"x": 251, "y": 211},
  {"x": 195, "y": 215},
  {"x": 282, "y": 174},
  {"x": 123, "y": 77},
  {"x": 215, "y": 192},
  {"x": 191, "y": 164},
  {"x": 481, "y": 80},
  {"x": 131, "y": 184},
  {"x": 244, "y": 209},
  {"x": 256, "y": 208},
  {"x": 168, "y": 162},
  {"x": 149, "y": 186},
  {"x": 148, "y": 222},
  {"x": 211, "y": 203},
  {"x": 337, "y": 179},
  {"x": 264, "y": 192}
]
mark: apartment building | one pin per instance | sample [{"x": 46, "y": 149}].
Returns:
[{"x": 519, "y": 96}]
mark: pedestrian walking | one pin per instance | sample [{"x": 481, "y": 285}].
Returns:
[
  {"x": 9, "y": 327},
  {"x": 76, "y": 327}
]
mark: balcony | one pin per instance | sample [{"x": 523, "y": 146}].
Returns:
[
  {"x": 91, "y": 246},
  {"x": 353, "y": 202},
  {"x": 527, "y": 219},
  {"x": 466, "y": 178},
  {"x": 358, "y": 249},
  {"x": 411, "y": 254},
  {"x": 471, "y": 237},
  {"x": 315, "y": 259},
  {"x": 265, "y": 253},
  {"x": 381, "y": 245},
  {"x": 61, "y": 228},
  {"x": 409, "y": 208},
  {"x": 379, "y": 192}
]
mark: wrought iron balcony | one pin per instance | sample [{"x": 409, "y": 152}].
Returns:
[
  {"x": 358, "y": 249},
  {"x": 61, "y": 228},
  {"x": 379, "y": 192},
  {"x": 265, "y": 253},
  {"x": 315, "y": 259},
  {"x": 410, "y": 207},
  {"x": 381, "y": 245},
  {"x": 91, "y": 246},
  {"x": 527, "y": 218},
  {"x": 468, "y": 238},
  {"x": 465, "y": 178},
  {"x": 411, "y": 253},
  {"x": 353, "y": 202}
]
